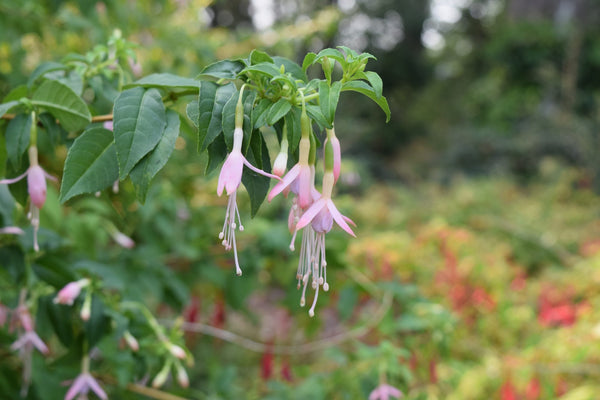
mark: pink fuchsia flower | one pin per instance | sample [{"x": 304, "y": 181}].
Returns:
[
  {"x": 11, "y": 230},
  {"x": 320, "y": 215},
  {"x": 230, "y": 178},
  {"x": 298, "y": 179},
  {"x": 384, "y": 392},
  {"x": 82, "y": 385},
  {"x": 123, "y": 240},
  {"x": 28, "y": 341},
  {"x": 36, "y": 186},
  {"x": 70, "y": 291}
]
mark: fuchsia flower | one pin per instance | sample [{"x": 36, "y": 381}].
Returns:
[
  {"x": 82, "y": 385},
  {"x": 384, "y": 391},
  {"x": 70, "y": 291},
  {"x": 230, "y": 178},
  {"x": 298, "y": 178},
  {"x": 36, "y": 186},
  {"x": 11, "y": 230},
  {"x": 123, "y": 240}
]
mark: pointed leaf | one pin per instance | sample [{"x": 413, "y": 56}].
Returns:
[
  {"x": 217, "y": 151},
  {"x": 364, "y": 88},
  {"x": 267, "y": 69},
  {"x": 4, "y": 108},
  {"x": 211, "y": 124},
  {"x": 206, "y": 103},
  {"x": 72, "y": 79},
  {"x": 166, "y": 81},
  {"x": 42, "y": 69},
  {"x": 142, "y": 174},
  {"x": 226, "y": 69},
  {"x": 314, "y": 112},
  {"x": 192, "y": 112},
  {"x": 259, "y": 113},
  {"x": 328, "y": 99},
  {"x": 309, "y": 59},
  {"x": 278, "y": 110},
  {"x": 17, "y": 138},
  {"x": 139, "y": 121},
  {"x": 294, "y": 131},
  {"x": 290, "y": 67},
  {"x": 258, "y": 56},
  {"x": 91, "y": 164},
  {"x": 62, "y": 102},
  {"x": 375, "y": 81}
]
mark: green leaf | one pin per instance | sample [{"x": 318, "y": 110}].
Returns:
[
  {"x": 211, "y": 112},
  {"x": 258, "y": 56},
  {"x": 141, "y": 175},
  {"x": 4, "y": 108},
  {"x": 267, "y": 69},
  {"x": 16, "y": 94},
  {"x": 328, "y": 99},
  {"x": 256, "y": 185},
  {"x": 364, "y": 88},
  {"x": 60, "y": 318},
  {"x": 294, "y": 130},
  {"x": 259, "y": 113},
  {"x": 72, "y": 79},
  {"x": 139, "y": 121},
  {"x": 290, "y": 67},
  {"x": 217, "y": 151},
  {"x": 314, "y": 112},
  {"x": 62, "y": 102},
  {"x": 349, "y": 52},
  {"x": 54, "y": 131},
  {"x": 42, "y": 69},
  {"x": 309, "y": 59},
  {"x": 98, "y": 324},
  {"x": 226, "y": 69},
  {"x": 17, "y": 138},
  {"x": 278, "y": 111},
  {"x": 165, "y": 81},
  {"x": 206, "y": 103},
  {"x": 375, "y": 81},
  {"x": 91, "y": 164},
  {"x": 192, "y": 112},
  {"x": 331, "y": 53}
]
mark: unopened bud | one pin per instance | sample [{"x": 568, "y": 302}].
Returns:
[
  {"x": 123, "y": 240},
  {"x": 131, "y": 341},
  {"x": 162, "y": 376},
  {"x": 182, "y": 376},
  {"x": 86, "y": 309},
  {"x": 280, "y": 164},
  {"x": 176, "y": 351},
  {"x": 70, "y": 291}
]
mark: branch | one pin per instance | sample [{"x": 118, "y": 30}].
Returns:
[
  {"x": 96, "y": 118},
  {"x": 309, "y": 347}
]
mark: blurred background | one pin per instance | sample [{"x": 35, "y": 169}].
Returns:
[{"x": 476, "y": 268}]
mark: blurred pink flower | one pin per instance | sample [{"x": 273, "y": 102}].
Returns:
[
  {"x": 82, "y": 385},
  {"x": 70, "y": 291},
  {"x": 123, "y": 240},
  {"x": 36, "y": 186},
  {"x": 11, "y": 230},
  {"x": 384, "y": 392}
]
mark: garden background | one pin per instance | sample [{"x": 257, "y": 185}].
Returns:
[{"x": 475, "y": 270}]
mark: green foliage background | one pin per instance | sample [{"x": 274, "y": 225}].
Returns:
[{"x": 489, "y": 164}]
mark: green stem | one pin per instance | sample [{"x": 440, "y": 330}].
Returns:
[{"x": 33, "y": 131}]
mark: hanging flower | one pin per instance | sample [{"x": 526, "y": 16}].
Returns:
[
  {"x": 82, "y": 385},
  {"x": 36, "y": 187},
  {"x": 384, "y": 392},
  {"x": 70, "y": 291},
  {"x": 230, "y": 178}
]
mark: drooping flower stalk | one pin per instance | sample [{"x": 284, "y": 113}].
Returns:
[{"x": 230, "y": 178}]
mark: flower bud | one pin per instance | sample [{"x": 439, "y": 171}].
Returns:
[
  {"x": 182, "y": 376},
  {"x": 69, "y": 292},
  {"x": 123, "y": 240},
  {"x": 162, "y": 376},
  {"x": 280, "y": 163},
  {"x": 36, "y": 185},
  {"x": 131, "y": 341},
  {"x": 86, "y": 309},
  {"x": 176, "y": 351}
]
